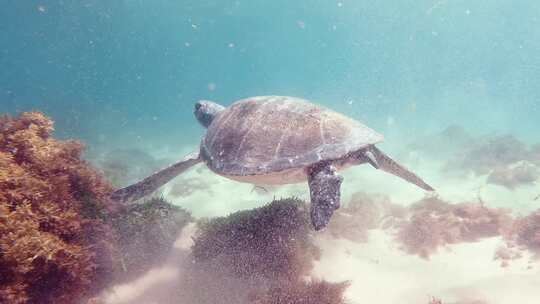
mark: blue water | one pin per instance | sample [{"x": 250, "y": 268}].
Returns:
[{"x": 128, "y": 72}]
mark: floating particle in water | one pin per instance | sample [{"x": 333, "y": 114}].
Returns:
[
  {"x": 339, "y": 4},
  {"x": 435, "y": 6},
  {"x": 390, "y": 121},
  {"x": 412, "y": 106},
  {"x": 334, "y": 27},
  {"x": 231, "y": 45},
  {"x": 350, "y": 102},
  {"x": 301, "y": 24},
  {"x": 41, "y": 8},
  {"x": 187, "y": 44},
  {"x": 211, "y": 86},
  {"x": 194, "y": 26},
  {"x": 467, "y": 12}
]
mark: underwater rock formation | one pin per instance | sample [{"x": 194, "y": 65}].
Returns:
[
  {"x": 515, "y": 176},
  {"x": 444, "y": 144},
  {"x": 146, "y": 234},
  {"x": 271, "y": 242},
  {"x": 491, "y": 153},
  {"x": 55, "y": 246},
  {"x": 508, "y": 161}
]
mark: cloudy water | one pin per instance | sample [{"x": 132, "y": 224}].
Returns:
[{"x": 453, "y": 85}]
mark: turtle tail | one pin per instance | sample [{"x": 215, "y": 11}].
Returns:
[{"x": 385, "y": 163}]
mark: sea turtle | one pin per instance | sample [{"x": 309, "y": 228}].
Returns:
[{"x": 280, "y": 140}]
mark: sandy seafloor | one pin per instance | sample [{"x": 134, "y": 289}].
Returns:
[{"x": 379, "y": 270}]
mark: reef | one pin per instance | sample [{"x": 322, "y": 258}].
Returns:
[
  {"x": 269, "y": 251},
  {"x": 55, "y": 245},
  {"x": 515, "y": 176},
  {"x": 145, "y": 235},
  {"x": 444, "y": 144},
  {"x": 492, "y": 152},
  {"x": 524, "y": 234},
  {"x": 316, "y": 292},
  {"x": 272, "y": 241},
  {"x": 62, "y": 240},
  {"x": 433, "y": 223},
  {"x": 424, "y": 226}
]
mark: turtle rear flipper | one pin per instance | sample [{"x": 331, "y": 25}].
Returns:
[
  {"x": 153, "y": 182},
  {"x": 385, "y": 163}
]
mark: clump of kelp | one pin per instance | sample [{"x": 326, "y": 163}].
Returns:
[
  {"x": 271, "y": 241},
  {"x": 145, "y": 234},
  {"x": 433, "y": 223},
  {"x": 308, "y": 293},
  {"x": 54, "y": 244},
  {"x": 270, "y": 247},
  {"x": 61, "y": 239}
]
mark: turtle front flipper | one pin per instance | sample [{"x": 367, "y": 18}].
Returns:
[
  {"x": 379, "y": 160},
  {"x": 153, "y": 182},
  {"x": 325, "y": 192}
]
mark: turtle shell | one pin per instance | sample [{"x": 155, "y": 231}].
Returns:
[{"x": 266, "y": 134}]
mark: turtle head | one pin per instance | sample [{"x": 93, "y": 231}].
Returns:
[{"x": 206, "y": 111}]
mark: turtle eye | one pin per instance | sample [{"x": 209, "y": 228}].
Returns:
[{"x": 198, "y": 105}]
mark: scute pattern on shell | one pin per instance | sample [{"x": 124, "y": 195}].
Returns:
[{"x": 272, "y": 133}]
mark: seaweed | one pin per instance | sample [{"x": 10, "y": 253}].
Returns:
[
  {"x": 506, "y": 254},
  {"x": 264, "y": 254},
  {"x": 525, "y": 234},
  {"x": 316, "y": 292},
  {"x": 435, "y": 300},
  {"x": 433, "y": 223},
  {"x": 146, "y": 233},
  {"x": 50, "y": 251},
  {"x": 272, "y": 241}
]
